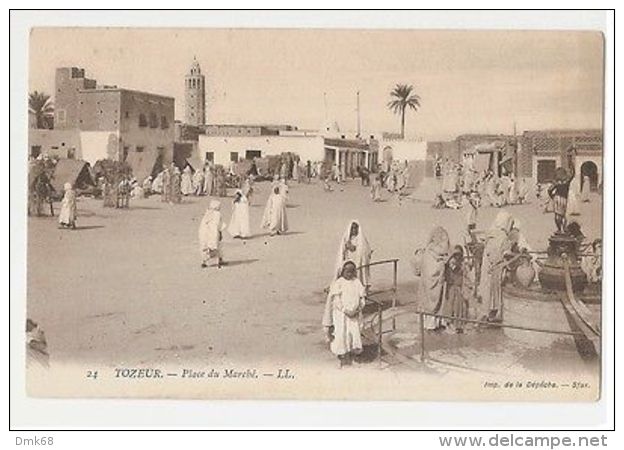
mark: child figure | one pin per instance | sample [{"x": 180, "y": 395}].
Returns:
[
  {"x": 454, "y": 279},
  {"x": 342, "y": 318}
]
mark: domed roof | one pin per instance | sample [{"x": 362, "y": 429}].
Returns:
[{"x": 330, "y": 127}]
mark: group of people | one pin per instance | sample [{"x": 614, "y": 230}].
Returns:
[
  {"x": 452, "y": 275},
  {"x": 499, "y": 191},
  {"x": 456, "y": 282},
  {"x": 212, "y": 225},
  {"x": 446, "y": 275},
  {"x": 173, "y": 184},
  {"x": 505, "y": 190}
]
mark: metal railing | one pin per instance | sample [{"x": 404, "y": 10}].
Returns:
[
  {"x": 393, "y": 290},
  {"x": 377, "y": 320}
]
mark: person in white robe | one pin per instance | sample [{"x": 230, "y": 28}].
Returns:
[
  {"x": 211, "y": 235},
  {"x": 296, "y": 172},
  {"x": 208, "y": 180},
  {"x": 147, "y": 186},
  {"x": 186, "y": 183},
  {"x": 342, "y": 317},
  {"x": 157, "y": 184},
  {"x": 336, "y": 173},
  {"x": 376, "y": 188},
  {"x": 523, "y": 190},
  {"x": 354, "y": 247},
  {"x": 283, "y": 188},
  {"x": 573, "y": 205},
  {"x": 67, "y": 217},
  {"x": 239, "y": 223},
  {"x": 136, "y": 190},
  {"x": 585, "y": 189},
  {"x": 198, "y": 182},
  {"x": 247, "y": 188},
  {"x": 512, "y": 196},
  {"x": 274, "y": 218}
]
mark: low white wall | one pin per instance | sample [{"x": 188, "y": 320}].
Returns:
[{"x": 307, "y": 147}]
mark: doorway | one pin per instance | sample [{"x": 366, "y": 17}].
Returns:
[{"x": 590, "y": 169}]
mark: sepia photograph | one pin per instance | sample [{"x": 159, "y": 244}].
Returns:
[{"x": 314, "y": 214}]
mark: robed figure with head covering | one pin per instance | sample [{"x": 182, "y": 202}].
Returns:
[
  {"x": 186, "y": 183},
  {"x": 354, "y": 247},
  {"x": 342, "y": 317},
  {"x": 274, "y": 218},
  {"x": 431, "y": 263},
  {"x": 67, "y": 217},
  {"x": 210, "y": 234},
  {"x": 498, "y": 243},
  {"x": 239, "y": 223}
]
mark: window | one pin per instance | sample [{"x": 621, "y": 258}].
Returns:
[
  {"x": 234, "y": 156},
  {"x": 251, "y": 154},
  {"x": 164, "y": 123},
  {"x": 142, "y": 120},
  {"x": 139, "y": 149},
  {"x": 127, "y": 115},
  {"x": 71, "y": 153},
  {"x": 35, "y": 151},
  {"x": 153, "y": 120},
  {"x": 61, "y": 115},
  {"x": 210, "y": 156}
]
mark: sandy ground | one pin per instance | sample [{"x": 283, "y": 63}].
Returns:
[{"x": 127, "y": 287}]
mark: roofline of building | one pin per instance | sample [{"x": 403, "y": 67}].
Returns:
[
  {"x": 242, "y": 125},
  {"x": 566, "y": 130},
  {"x": 259, "y": 136},
  {"x": 131, "y": 91}
]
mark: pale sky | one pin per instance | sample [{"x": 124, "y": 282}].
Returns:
[{"x": 468, "y": 81}]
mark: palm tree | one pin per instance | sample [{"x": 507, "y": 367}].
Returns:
[
  {"x": 42, "y": 106},
  {"x": 403, "y": 97}
]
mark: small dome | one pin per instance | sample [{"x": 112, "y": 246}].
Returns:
[{"x": 330, "y": 128}]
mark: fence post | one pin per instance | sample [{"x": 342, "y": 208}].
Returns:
[
  {"x": 395, "y": 264},
  {"x": 380, "y": 330},
  {"x": 422, "y": 337}
]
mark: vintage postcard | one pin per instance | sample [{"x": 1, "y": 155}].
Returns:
[{"x": 359, "y": 214}]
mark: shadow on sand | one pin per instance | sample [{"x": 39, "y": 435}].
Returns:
[
  {"x": 147, "y": 208},
  {"x": 240, "y": 262},
  {"x": 85, "y": 227},
  {"x": 292, "y": 233}
]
